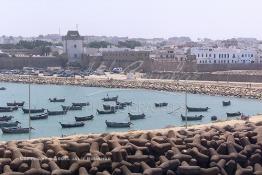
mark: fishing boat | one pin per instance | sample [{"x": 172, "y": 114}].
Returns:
[
  {"x": 72, "y": 125},
  {"x": 26, "y": 111},
  {"x": 112, "y": 111},
  {"x": 110, "y": 98},
  {"x": 161, "y": 104},
  {"x": 118, "y": 124},
  {"x": 39, "y": 117},
  {"x": 56, "y": 99},
  {"x": 191, "y": 118},
  {"x": 80, "y": 119},
  {"x": 20, "y": 104},
  {"x": 63, "y": 112},
  {"x": 15, "y": 130},
  {"x": 7, "y": 109},
  {"x": 233, "y": 114},
  {"x": 226, "y": 103},
  {"x": 6, "y": 118},
  {"x": 124, "y": 104},
  {"x": 72, "y": 108},
  {"x": 9, "y": 124},
  {"x": 2, "y": 88},
  {"x": 80, "y": 104},
  {"x": 191, "y": 109},
  {"x": 108, "y": 107},
  {"x": 136, "y": 117}
]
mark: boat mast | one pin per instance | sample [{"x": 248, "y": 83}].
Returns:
[
  {"x": 29, "y": 105},
  {"x": 186, "y": 105}
]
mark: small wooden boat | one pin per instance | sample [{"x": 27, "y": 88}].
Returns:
[
  {"x": 71, "y": 108},
  {"x": 213, "y": 118},
  {"x": 108, "y": 107},
  {"x": 8, "y": 109},
  {"x": 15, "y": 130},
  {"x": 161, "y": 104},
  {"x": 110, "y": 98},
  {"x": 118, "y": 124},
  {"x": 2, "y": 88},
  {"x": 39, "y": 117},
  {"x": 80, "y": 119},
  {"x": 9, "y": 124},
  {"x": 6, "y": 118},
  {"x": 191, "y": 118},
  {"x": 136, "y": 117},
  {"x": 15, "y": 103},
  {"x": 106, "y": 111},
  {"x": 124, "y": 104},
  {"x": 72, "y": 125},
  {"x": 63, "y": 112},
  {"x": 80, "y": 104},
  {"x": 233, "y": 114},
  {"x": 191, "y": 109},
  {"x": 56, "y": 99},
  {"x": 226, "y": 103},
  {"x": 26, "y": 111}
]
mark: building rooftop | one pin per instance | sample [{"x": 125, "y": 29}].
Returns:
[{"x": 72, "y": 35}]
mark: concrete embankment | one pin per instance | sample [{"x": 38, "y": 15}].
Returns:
[
  {"x": 206, "y": 150},
  {"x": 223, "y": 89}
]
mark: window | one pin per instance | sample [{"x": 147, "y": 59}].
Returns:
[
  {"x": 215, "y": 61},
  {"x": 75, "y": 46},
  {"x": 234, "y": 56},
  {"x": 214, "y": 55}
]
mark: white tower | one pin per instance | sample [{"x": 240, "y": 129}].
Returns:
[{"x": 73, "y": 46}]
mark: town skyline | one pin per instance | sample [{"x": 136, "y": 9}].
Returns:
[{"x": 134, "y": 19}]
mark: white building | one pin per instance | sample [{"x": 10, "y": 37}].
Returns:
[
  {"x": 223, "y": 55},
  {"x": 73, "y": 46}
]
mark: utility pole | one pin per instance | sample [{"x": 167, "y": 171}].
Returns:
[{"x": 29, "y": 104}]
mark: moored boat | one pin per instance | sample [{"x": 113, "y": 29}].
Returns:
[
  {"x": 72, "y": 125},
  {"x": 63, "y": 112},
  {"x": 191, "y": 118},
  {"x": 136, "y": 117},
  {"x": 6, "y": 118},
  {"x": 213, "y": 118},
  {"x": 8, "y": 109},
  {"x": 2, "y": 88},
  {"x": 118, "y": 124},
  {"x": 15, "y": 103},
  {"x": 71, "y": 108},
  {"x": 9, "y": 124},
  {"x": 85, "y": 118},
  {"x": 233, "y": 114},
  {"x": 15, "y": 130},
  {"x": 106, "y": 111},
  {"x": 110, "y": 98},
  {"x": 108, "y": 107},
  {"x": 56, "y": 99},
  {"x": 192, "y": 109},
  {"x": 226, "y": 103},
  {"x": 39, "y": 117},
  {"x": 26, "y": 111},
  {"x": 124, "y": 104},
  {"x": 80, "y": 104},
  {"x": 161, "y": 104}
]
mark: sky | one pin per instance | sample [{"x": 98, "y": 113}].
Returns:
[{"x": 215, "y": 19}]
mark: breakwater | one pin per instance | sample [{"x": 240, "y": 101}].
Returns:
[
  {"x": 209, "y": 150},
  {"x": 172, "y": 86}
]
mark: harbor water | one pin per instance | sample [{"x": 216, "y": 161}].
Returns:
[{"x": 143, "y": 102}]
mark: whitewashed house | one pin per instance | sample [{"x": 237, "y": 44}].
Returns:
[
  {"x": 223, "y": 55},
  {"x": 73, "y": 46}
]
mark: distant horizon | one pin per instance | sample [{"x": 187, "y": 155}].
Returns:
[{"x": 216, "y": 19}]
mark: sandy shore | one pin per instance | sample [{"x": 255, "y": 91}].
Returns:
[{"x": 118, "y": 81}]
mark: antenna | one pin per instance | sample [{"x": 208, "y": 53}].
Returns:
[{"x": 77, "y": 27}]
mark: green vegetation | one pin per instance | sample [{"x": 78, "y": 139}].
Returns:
[{"x": 129, "y": 44}]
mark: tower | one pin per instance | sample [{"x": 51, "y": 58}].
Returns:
[{"x": 73, "y": 46}]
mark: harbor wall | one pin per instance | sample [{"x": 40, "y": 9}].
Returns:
[{"x": 40, "y": 62}]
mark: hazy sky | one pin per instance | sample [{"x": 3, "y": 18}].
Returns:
[{"x": 217, "y": 19}]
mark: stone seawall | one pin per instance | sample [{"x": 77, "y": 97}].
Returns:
[
  {"x": 40, "y": 62},
  {"x": 172, "y": 86}
]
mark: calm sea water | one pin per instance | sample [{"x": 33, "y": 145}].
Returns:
[{"x": 143, "y": 103}]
